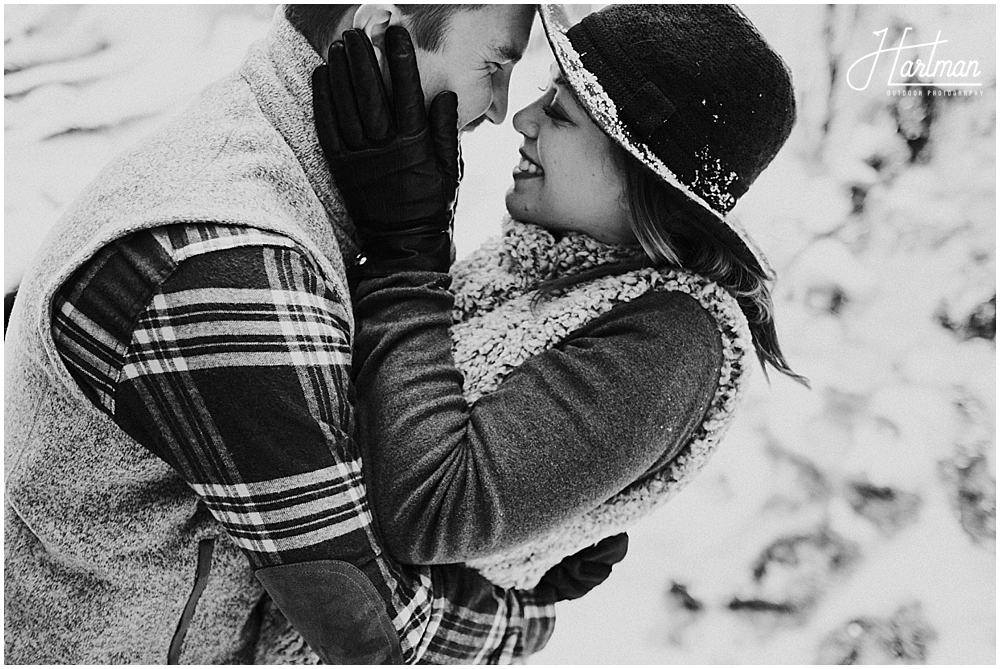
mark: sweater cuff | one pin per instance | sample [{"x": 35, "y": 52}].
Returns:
[
  {"x": 539, "y": 622},
  {"x": 364, "y": 285}
]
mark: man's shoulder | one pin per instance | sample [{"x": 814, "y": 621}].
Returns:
[
  {"x": 182, "y": 241},
  {"x": 224, "y": 118},
  {"x": 152, "y": 256},
  {"x": 206, "y": 261},
  {"x": 215, "y": 255}
]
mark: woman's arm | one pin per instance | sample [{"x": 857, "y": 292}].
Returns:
[
  {"x": 566, "y": 430},
  {"x": 563, "y": 432}
]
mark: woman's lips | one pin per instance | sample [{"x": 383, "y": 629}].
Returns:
[{"x": 527, "y": 169}]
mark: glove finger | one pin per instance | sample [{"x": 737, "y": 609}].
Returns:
[
  {"x": 369, "y": 89},
  {"x": 610, "y": 550},
  {"x": 352, "y": 133},
  {"x": 443, "y": 122},
  {"x": 592, "y": 573},
  {"x": 570, "y": 589},
  {"x": 559, "y": 585},
  {"x": 408, "y": 95},
  {"x": 326, "y": 120}
]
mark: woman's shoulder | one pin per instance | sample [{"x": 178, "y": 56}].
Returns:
[
  {"x": 661, "y": 339},
  {"x": 667, "y": 309},
  {"x": 680, "y": 309},
  {"x": 672, "y": 317}
]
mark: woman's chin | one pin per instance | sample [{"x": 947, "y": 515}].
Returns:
[
  {"x": 521, "y": 209},
  {"x": 516, "y": 208}
]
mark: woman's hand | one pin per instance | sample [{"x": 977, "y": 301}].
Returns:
[
  {"x": 580, "y": 573},
  {"x": 395, "y": 164}
]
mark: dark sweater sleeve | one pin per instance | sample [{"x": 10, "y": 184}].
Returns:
[{"x": 563, "y": 432}]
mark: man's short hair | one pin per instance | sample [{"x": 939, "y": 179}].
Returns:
[{"x": 428, "y": 23}]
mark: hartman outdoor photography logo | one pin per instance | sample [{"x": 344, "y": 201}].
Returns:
[{"x": 905, "y": 71}]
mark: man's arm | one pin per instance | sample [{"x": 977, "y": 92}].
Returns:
[
  {"x": 461, "y": 597},
  {"x": 232, "y": 366}
]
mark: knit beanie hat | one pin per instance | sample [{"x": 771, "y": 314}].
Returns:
[{"x": 691, "y": 91}]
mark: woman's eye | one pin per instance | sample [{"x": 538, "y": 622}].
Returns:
[
  {"x": 492, "y": 68},
  {"x": 553, "y": 114}
]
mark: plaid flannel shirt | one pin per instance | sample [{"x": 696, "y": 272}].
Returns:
[{"x": 222, "y": 351}]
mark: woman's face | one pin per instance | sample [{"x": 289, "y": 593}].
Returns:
[{"x": 566, "y": 179}]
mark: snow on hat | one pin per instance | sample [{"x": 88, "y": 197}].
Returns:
[{"x": 691, "y": 91}]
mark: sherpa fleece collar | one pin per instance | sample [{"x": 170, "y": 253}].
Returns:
[
  {"x": 496, "y": 329},
  {"x": 534, "y": 255}
]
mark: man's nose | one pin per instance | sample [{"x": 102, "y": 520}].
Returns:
[{"x": 498, "y": 109}]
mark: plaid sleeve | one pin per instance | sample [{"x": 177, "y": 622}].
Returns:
[
  {"x": 483, "y": 624},
  {"x": 225, "y": 353},
  {"x": 237, "y": 375}
]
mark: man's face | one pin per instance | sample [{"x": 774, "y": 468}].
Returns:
[{"x": 475, "y": 59}]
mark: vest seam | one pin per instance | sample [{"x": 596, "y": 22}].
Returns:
[{"x": 132, "y": 325}]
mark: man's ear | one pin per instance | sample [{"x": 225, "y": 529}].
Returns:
[{"x": 373, "y": 19}]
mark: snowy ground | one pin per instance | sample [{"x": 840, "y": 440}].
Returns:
[{"x": 854, "y": 522}]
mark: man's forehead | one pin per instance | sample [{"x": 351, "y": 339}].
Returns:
[{"x": 506, "y": 28}]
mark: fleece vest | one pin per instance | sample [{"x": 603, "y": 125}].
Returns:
[
  {"x": 109, "y": 556},
  {"x": 499, "y": 325}
]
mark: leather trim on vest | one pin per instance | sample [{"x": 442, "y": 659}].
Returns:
[
  {"x": 336, "y": 609},
  {"x": 205, "y": 549}
]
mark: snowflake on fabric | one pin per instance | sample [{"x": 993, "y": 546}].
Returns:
[{"x": 712, "y": 181}]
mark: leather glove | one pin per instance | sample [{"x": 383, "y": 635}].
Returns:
[
  {"x": 578, "y": 574},
  {"x": 395, "y": 164}
]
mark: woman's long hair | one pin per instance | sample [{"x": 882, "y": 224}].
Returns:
[{"x": 671, "y": 237}]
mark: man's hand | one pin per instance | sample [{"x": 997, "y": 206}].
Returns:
[
  {"x": 578, "y": 574},
  {"x": 395, "y": 164}
]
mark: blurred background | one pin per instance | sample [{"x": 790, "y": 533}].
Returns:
[{"x": 851, "y": 523}]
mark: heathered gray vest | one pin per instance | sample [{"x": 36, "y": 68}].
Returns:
[{"x": 102, "y": 539}]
